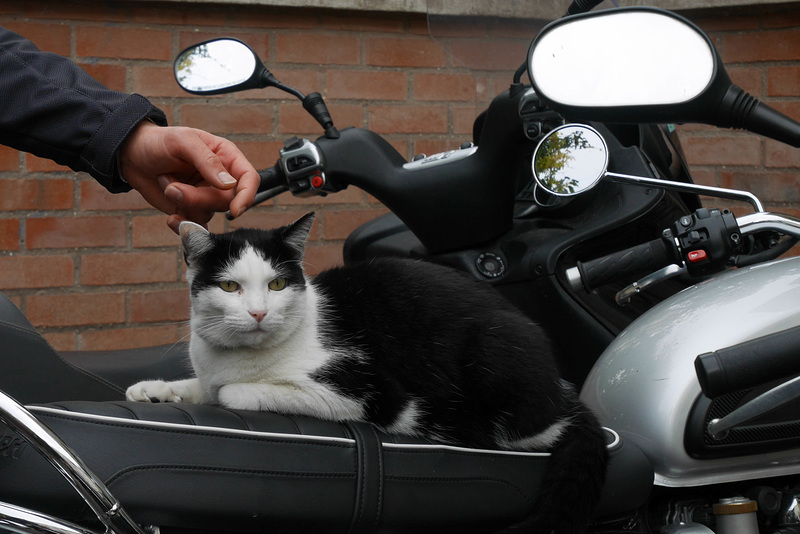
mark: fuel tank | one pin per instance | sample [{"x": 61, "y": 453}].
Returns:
[{"x": 644, "y": 384}]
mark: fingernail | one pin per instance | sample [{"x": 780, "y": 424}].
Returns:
[
  {"x": 163, "y": 181},
  {"x": 173, "y": 193},
  {"x": 226, "y": 178}
]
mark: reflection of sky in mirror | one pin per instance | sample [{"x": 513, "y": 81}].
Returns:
[{"x": 215, "y": 65}]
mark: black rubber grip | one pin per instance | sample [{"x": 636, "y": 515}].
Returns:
[
  {"x": 750, "y": 363},
  {"x": 271, "y": 177},
  {"x": 647, "y": 257}
]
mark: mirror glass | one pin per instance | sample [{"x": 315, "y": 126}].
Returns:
[
  {"x": 570, "y": 159},
  {"x": 215, "y": 65},
  {"x": 622, "y": 58}
]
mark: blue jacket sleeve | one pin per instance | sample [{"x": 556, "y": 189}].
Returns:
[{"x": 52, "y": 108}]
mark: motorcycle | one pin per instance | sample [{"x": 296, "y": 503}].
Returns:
[{"x": 570, "y": 202}]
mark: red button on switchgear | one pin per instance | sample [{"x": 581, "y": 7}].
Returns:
[
  {"x": 697, "y": 256},
  {"x": 317, "y": 181}
]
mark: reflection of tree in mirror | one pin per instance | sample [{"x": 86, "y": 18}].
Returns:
[
  {"x": 187, "y": 59},
  {"x": 552, "y": 159}
]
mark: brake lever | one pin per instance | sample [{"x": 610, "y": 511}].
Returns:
[{"x": 623, "y": 298}]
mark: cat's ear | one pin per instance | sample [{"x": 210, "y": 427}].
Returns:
[
  {"x": 295, "y": 234},
  {"x": 196, "y": 240}
]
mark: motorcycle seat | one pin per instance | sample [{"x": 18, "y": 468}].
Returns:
[{"x": 207, "y": 467}]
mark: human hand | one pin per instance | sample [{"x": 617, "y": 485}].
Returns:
[{"x": 187, "y": 173}]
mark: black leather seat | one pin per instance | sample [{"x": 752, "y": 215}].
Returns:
[{"x": 207, "y": 467}]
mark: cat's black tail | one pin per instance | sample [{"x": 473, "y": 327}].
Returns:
[{"x": 574, "y": 477}]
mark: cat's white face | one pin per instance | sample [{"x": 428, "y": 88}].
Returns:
[{"x": 250, "y": 304}]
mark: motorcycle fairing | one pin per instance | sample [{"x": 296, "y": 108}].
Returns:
[
  {"x": 199, "y": 466},
  {"x": 644, "y": 385}
]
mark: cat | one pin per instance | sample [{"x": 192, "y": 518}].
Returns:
[{"x": 410, "y": 346}]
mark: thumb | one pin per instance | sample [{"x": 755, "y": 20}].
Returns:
[{"x": 194, "y": 150}]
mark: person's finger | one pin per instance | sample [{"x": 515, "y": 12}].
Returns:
[
  {"x": 188, "y": 197},
  {"x": 193, "y": 149},
  {"x": 245, "y": 193}
]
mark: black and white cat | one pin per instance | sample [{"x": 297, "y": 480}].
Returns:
[{"x": 410, "y": 346}]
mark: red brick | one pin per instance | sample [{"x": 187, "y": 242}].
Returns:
[
  {"x": 37, "y": 164},
  {"x": 740, "y": 150},
  {"x": 31, "y": 194},
  {"x": 62, "y": 341},
  {"x": 318, "y": 49},
  {"x": 9, "y": 234},
  {"x": 28, "y": 272},
  {"x": 408, "y": 119},
  {"x": 404, "y": 52},
  {"x": 95, "y": 197},
  {"x": 321, "y": 257},
  {"x": 105, "y": 12},
  {"x": 72, "y": 309},
  {"x": 120, "y": 42},
  {"x": 340, "y": 224},
  {"x": 367, "y": 85},
  {"x": 494, "y": 55},
  {"x": 727, "y": 22},
  {"x": 445, "y": 87},
  {"x": 47, "y": 37},
  {"x": 268, "y": 219},
  {"x": 783, "y": 81},
  {"x": 293, "y": 119},
  {"x": 75, "y": 232},
  {"x": 130, "y": 337},
  {"x": 227, "y": 119},
  {"x": 779, "y": 45},
  {"x": 128, "y": 268},
  {"x": 160, "y": 306},
  {"x": 261, "y": 154},
  {"x": 155, "y": 82},
  {"x": 748, "y": 78},
  {"x": 781, "y": 155},
  {"x": 153, "y": 232},
  {"x": 9, "y": 159},
  {"x": 781, "y": 19},
  {"x": 768, "y": 187},
  {"x": 112, "y": 76},
  {"x": 444, "y": 28}
]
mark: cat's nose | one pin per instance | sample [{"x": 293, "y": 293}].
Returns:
[{"x": 258, "y": 315}]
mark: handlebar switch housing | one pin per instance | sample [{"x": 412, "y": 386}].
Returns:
[
  {"x": 707, "y": 240},
  {"x": 303, "y": 165}
]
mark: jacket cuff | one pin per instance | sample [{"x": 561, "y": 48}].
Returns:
[{"x": 100, "y": 153}]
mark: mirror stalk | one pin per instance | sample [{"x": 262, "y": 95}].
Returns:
[{"x": 741, "y": 111}]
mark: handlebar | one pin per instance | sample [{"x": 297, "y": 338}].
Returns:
[
  {"x": 749, "y": 364},
  {"x": 649, "y": 256},
  {"x": 273, "y": 183}
]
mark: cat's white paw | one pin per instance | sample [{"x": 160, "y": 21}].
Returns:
[
  {"x": 239, "y": 397},
  {"x": 152, "y": 391}
]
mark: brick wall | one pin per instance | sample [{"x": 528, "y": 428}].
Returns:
[{"x": 93, "y": 270}]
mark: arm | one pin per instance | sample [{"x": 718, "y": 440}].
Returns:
[{"x": 52, "y": 108}]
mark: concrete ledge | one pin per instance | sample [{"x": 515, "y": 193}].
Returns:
[{"x": 530, "y": 9}]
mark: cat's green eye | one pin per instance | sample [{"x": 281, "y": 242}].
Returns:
[
  {"x": 229, "y": 286},
  {"x": 277, "y": 284}
]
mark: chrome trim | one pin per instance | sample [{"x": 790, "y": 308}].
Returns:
[
  {"x": 732, "y": 194},
  {"x": 758, "y": 222},
  {"x": 107, "y": 509},
  {"x": 766, "y": 402},
  {"x": 670, "y": 271},
  {"x": 25, "y": 521}
]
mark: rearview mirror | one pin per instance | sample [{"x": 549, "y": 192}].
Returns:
[
  {"x": 219, "y": 66},
  {"x": 573, "y": 158},
  {"x": 643, "y": 65}
]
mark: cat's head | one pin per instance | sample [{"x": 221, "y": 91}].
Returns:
[{"x": 247, "y": 286}]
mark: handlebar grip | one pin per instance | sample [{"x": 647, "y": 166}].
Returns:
[
  {"x": 649, "y": 256},
  {"x": 749, "y": 364},
  {"x": 271, "y": 177}
]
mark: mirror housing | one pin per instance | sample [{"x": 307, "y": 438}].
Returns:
[
  {"x": 220, "y": 66},
  {"x": 643, "y": 65}
]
